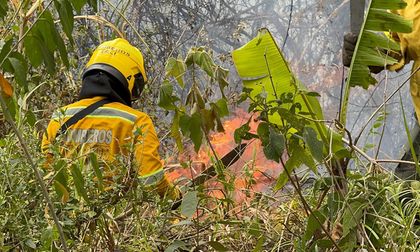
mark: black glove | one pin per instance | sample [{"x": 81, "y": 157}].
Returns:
[
  {"x": 176, "y": 204},
  {"x": 350, "y": 40}
]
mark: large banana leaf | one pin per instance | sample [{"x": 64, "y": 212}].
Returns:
[
  {"x": 259, "y": 58},
  {"x": 262, "y": 68},
  {"x": 372, "y": 47}
]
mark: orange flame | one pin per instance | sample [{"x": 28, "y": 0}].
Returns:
[{"x": 251, "y": 173}]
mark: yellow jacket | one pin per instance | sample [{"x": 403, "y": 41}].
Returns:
[
  {"x": 410, "y": 49},
  {"x": 109, "y": 131}
]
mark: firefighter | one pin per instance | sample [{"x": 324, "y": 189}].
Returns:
[
  {"x": 410, "y": 50},
  {"x": 103, "y": 120}
]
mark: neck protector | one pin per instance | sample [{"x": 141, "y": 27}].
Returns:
[{"x": 100, "y": 83}]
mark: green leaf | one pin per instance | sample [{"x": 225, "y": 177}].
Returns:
[
  {"x": 255, "y": 229},
  {"x": 61, "y": 191},
  {"x": 315, "y": 146},
  {"x": 98, "y": 173},
  {"x": 308, "y": 160},
  {"x": 65, "y": 11},
  {"x": 78, "y": 5},
  {"x": 374, "y": 57},
  {"x": 20, "y": 69},
  {"x": 12, "y": 106},
  {"x": 315, "y": 220},
  {"x": 3, "y": 8},
  {"x": 195, "y": 131},
  {"x": 379, "y": 40},
  {"x": 184, "y": 124},
  {"x": 30, "y": 243},
  {"x": 166, "y": 99},
  {"x": 322, "y": 243},
  {"x": 382, "y": 20},
  {"x": 218, "y": 110},
  {"x": 30, "y": 118},
  {"x": 352, "y": 215},
  {"x": 259, "y": 245},
  {"x": 222, "y": 107},
  {"x": 372, "y": 232},
  {"x": 49, "y": 235},
  {"x": 177, "y": 244},
  {"x": 219, "y": 125},
  {"x": 377, "y": 125},
  {"x": 349, "y": 242},
  {"x": 47, "y": 32},
  {"x": 297, "y": 156},
  {"x": 388, "y": 4},
  {"x": 217, "y": 246},
  {"x": 206, "y": 63},
  {"x": 176, "y": 68},
  {"x": 50, "y": 40},
  {"x": 6, "y": 49},
  {"x": 93, "y": 4},
  {"x": 46, "y": 29},
  {"x": 242, "y": 133},
  {"x": 277, "y": 140},
  {"x": 275, "y": 147},
  {"x": 189, "y": 204},
  {"x": 62, "y": 49},
  {"x": 48, "y": 60},
  {"x": 202, "y": 59},
  {"x": 221, "y": 77},
  {"x": 263, "y": 132},
  {"x": 198, "y": 98},
  {"x": 281, "y": 181},
  {"x": 79, "y": 182},
  {"x": 292, "y": 163},
  {"x": 314, "y": 94},
  {"x": 33, "y": 46},
  {"x": 175, "y": 133},
  {"x": 207, "y": 118}
]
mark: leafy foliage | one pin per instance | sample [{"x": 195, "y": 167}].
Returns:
[
  {"x": 194, "y": 115},
  {"x": 372, "y": 48}
]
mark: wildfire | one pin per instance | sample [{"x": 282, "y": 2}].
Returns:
[{"x": 251, "y": 173}]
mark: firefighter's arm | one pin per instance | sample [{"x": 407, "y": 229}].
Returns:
[{"x": 150, "y": 165}]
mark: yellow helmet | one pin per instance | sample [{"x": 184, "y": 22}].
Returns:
[{"x": 121, "y": 60}]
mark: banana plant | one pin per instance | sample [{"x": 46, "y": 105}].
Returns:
[
  {"x": 290, "y": 115},
  {"x": 373, "y": 46},
  {"x": 264, "y": 70}
]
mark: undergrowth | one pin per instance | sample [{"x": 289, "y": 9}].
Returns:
[{"x": 377, "y": 211}]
